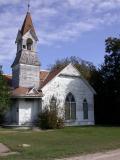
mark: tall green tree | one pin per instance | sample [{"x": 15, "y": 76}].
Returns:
[
  {"x": 110, "y": 69},
  {"x": 4, "y": 96},
  {"x": 110, "y": 89}
]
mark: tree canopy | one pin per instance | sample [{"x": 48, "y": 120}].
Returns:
[
  {"x": 110, "y": 69},
  {"x": 4, "y": 95},
  {"x": 108, "y": 102}
]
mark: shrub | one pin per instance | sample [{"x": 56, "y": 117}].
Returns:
[
  {"x": 60, "y": 123},
  {"x": 49, "y": 119}
]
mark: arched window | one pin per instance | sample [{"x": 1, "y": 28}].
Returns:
[
  {"x": 85, "y": 109},
  {"x": 53, "y": 103},
  {"x": 29, "y": 44},
  {"x": 70, "y": 107}
]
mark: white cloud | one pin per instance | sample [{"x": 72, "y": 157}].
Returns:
[
  {"x": 5, "y": 2},
  {"x": 67, "y": 33},
  {"x": 55, "y": 20}
]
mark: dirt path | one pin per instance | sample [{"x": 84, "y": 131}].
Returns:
[
  {"x": 5, "y": 151},
  {"x": 4, "y": 148},
  {"x": 111, "y": 155}
]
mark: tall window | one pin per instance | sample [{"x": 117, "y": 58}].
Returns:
[
  {"x": 53, "y": 103},
  {"x": 70, "y": 107},
  {"x": 85, "y": 109},
  {"x": 29, "y": 44}
]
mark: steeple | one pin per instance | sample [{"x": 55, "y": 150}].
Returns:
[
  {"x": 26, "y": 66},
  {"x": 26, "y": 43},
  {"x": 28, "y": 26}
]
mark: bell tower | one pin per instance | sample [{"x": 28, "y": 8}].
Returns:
[{"x": 26, "y": 66}]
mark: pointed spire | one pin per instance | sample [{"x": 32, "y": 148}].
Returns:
[
  {"x": 28, "y": 5},
  {"x": 28, "y": 25}
]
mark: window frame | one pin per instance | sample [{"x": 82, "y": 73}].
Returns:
[
  {"x": 85, "y": 110},
  {"x": 53, "y": 103},
  {"x": 69, "y": 102}
]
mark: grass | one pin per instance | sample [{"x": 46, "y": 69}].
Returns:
[{"x": 66, "y": 142}]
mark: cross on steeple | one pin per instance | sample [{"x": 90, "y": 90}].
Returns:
[{"x": 28, "y": 5}]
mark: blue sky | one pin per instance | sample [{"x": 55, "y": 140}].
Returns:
[{"x": 64, "y": 28}]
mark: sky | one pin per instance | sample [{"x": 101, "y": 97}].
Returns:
[{"x": 64, "y": 27}]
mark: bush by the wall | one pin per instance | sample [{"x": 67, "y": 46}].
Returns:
[
  {"x": 60, "y": 123},
  {"x": 49, "y": 119}
]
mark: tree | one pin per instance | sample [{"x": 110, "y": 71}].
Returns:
[
  {"x": 4, "y": 96},
  {"x": 110, "y": 89},
  {"x": 111, "y": 68}
]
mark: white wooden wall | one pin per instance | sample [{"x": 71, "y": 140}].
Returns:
[{"x": 61, "y": 85}]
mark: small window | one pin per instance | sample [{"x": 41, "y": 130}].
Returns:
[
  {"x": 29, "y": 44},
  {"x": 85, "y": 109}
]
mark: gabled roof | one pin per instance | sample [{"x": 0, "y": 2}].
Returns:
[
  {"x": 51, "y": 75},
  {"x": 28, "y": 26},
  {"x": 19, "y": 91},
  {"x": 57, "y": 71},
  {"x": 43, "y": 75}
]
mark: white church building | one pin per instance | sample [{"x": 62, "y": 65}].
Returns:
[{"x": 33, "y": 89}]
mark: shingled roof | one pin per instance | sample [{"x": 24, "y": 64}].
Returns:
[
  {"x": 26, "y": 92},
  {"x": 52, "y": 74},
  {"x": 43, "y": 76},
  {"x": 28, "y": 25}
]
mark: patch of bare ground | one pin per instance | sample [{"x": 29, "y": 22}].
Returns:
[
  {"x": 5, "y": 151},
  {"x": 110, "y": 155}
]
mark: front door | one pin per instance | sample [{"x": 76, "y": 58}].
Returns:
[{"x": 25, "y": 111}]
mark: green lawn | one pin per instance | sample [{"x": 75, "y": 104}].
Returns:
[{"x": 60, "y": 143}]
